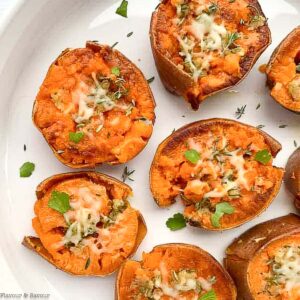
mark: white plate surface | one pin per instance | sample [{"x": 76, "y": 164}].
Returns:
[{"x": 38, "y": 31}]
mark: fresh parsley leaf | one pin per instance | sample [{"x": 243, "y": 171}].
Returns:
[
  {"x": 298, "y": 68},
  {"x": 87, "y": 264},
  {"x": 211, "y": 295},
  {"x": 240, "y": 111},
  {"x": 26, "y": 169},
  {"x": 221, "y": 209},
  {"x": 126, "y": 174},
  {"x": 76, "y": 137},
  {"x": 122, "y": 9},
  {"x": 130, "y": 34},
  {"x": 151, "y": 79},
  {"x": 263, "y": 156},
  {"x": 59, "y": 201},
  {"x": 192, "y": 156},
  {"x": 176, "y": 222},
  {"x": 115, "y": 71}
]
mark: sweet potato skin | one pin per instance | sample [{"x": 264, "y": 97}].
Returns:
[
  {"x": 35, "y": 244},
  {"x": 176, "y": 138},
  {"x": 179, "y": 82},
  {"x": 182, "y": 247},
  {"x": 283, "y": 51},
  {"x": 292, "y": 176},
  {"x": 122, "y": 158},
  {"x": 243, "y": 249}
]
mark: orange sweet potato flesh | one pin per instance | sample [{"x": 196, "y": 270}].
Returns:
[
  {"x": 247, "y": 257},
  {"x": 101, "y": 252},
  {"x": 172, "y": 174},
  {"x": 167, "y": 259},
  {"x": 281, "y": 71},
  {"x": 114, "y": 132},
  {"x": 226, "y": 70},
  {"x": 292, "y": 176}
]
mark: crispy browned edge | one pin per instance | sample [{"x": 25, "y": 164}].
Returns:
[
  {"x": 179, "y": 82},
  {"x": 292, "y": 176},
  {"x": 295, "y": 33},
  {"x": 193, "y": 129},
  {"x": 34, "y": 243},
  {"x": 183, "y": 246},
  {"x": 95, "y": 47},
  {"x": 245, "y": 247}
]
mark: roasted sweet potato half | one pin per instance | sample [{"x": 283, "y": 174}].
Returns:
[
  {"x": 174, "y": 271},
  {"x": 94, "y": 106},
  {"x": 283, "y": 72},
  {"x": 84, "y": 223},
  {"x": 203, "y": 47},
  {"x": 265, "y": 261},
  {"x": 292, "y": 176},
  {"x": 221, "y": 169}
]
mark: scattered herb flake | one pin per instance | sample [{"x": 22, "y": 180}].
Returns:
[
  {"x": 122, "y": 9},
  {"x": 192, "y": 156},
  {"x": 151, "y": 79},
  {"x": 240, "y": 111},
  {"x": 26, "y": 169},
  {"x": 130, "y": 34},
  {"x": 76, "y": 137},
  {"x": 221, "y": 209},
  {"x": 211, "y": 295},
  {"x": 298, "y": 68},
  {"x": 263, "y": 156},
  {"x": 258, "y": 106},
  {"x": 260, "y": 126},
  {"x": 24, "y": 147},
  {"x": 115, "y": 71},
  {"x": 176, "y": 222},
  {"x": 231, "y": 1},
  {"x": 213, "y": 8},
  {"x": 114, "y": 45},
  {"x": 126, "y": 174},
  {"x": 87, "y": 264},
  {"x": 295, "y": 144},
  {"x": 282, "y": 126},
  {"x": 59, "y": 201}
]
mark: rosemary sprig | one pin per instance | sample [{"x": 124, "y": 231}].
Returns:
[
  {"x": 240, "y": 111},
  {"x": 126, "y": 174}
]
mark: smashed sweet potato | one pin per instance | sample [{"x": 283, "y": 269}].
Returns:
[
  {"x": 204, "y": 47},
  {"x": 292, "y": 176},
  {"x": 94, "y": 106},
  {"x": 221, "y": 169},
  {"x": 84, "y": 223},
  {"x": 264, "y": 262},
  {"x": 283, "y": 72},
  {"x": 174, "y": 271}
]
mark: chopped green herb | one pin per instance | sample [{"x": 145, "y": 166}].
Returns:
[
  {"x": 231, "y": 1},
  {"x": 130, "y": 34},
  {"x": 298, "y": 68},
  {"x": 126, "y": 174},
  {"x": 295, "y": 144},
  {"x": 59, "y": 201},
  {"x": 258, "y": 106},
  {"x": 229, "y": 45},
  {"x": 260, "y": 126},
  {"x": 183, "y": 116},
  {"x": 76, "y": 137},
  {"x": 115, "y": 71},
  {"x": 122, "y": 9},
  {"x": 240, "y": 111},
  {"x": 263, "y": 156},
  {"x": 192, "y": 156},
  {"x": 26, "y": 169},
  {"x": 212, "y": 8},
  {"x": 221, "y": 209},
  {"x": 87, "y": 264},
  {"x": 211, "y": 295},
  {"x": 282, "y": 126},
  {"x": 114, "y": 45},
  {"x": 176, "y": 222},
  {"x": 25, "y": 148},
  {"x": 173, "y": 130},
  {"x": 151, "y": 79}
]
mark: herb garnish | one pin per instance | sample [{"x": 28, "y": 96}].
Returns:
[
  {"x": 260, "y": 126},
  {"x": 151, "y": 79},
  {"x": 229, "y": 45},
  {"x": 282, "y": 126},
  {"x": 258, "y": 106},
  {"x": 263, "y": 156},
  {"x": 24, "y": 147},
  {"x": 126, "y": 174},
  {"x": 129, "y": 34},
  {"x": 115, "y": 70},
  {"x": 114, "y": 45},
  {"x": 212, "y": 8},
  {"x": 122, "y": 9},
  {"x": 176, "y": 222},
  {"x": 59, "y": 201},
  {"x": 87, "y": 264},
  {"x": 298, "y": 68},
  {"x": 26, "y": 169},
  {"x": 211, "y": 295},
  {"x": 295, "y": 144},
  {"x": 231, "y": 1},
  {"x": 240, "y": 111},
  {"x": 221, "y": 209},
  {"x": 76, "y": 137},
  {"x": 192, "y": 156}
]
